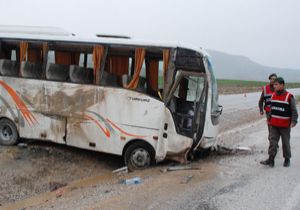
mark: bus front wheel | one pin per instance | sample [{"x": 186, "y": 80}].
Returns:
[
  {"x": 8, "y": 132},
  {"x": 139, "y": 155}
]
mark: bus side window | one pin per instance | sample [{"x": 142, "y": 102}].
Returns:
[
  {"x": 86, "y": 60},
  {"x": 115, "y": 72},
  {"x": 56, "y": 72},
  {"x": 160, "y": 75},
  {"x": 51, "y": 56},
  {"x": 153, "y": 77},
  {"x": 142, "y": 85},
  {"x": 89, "y": 63},
  {"x": 13, "y": 55},
  {"x": 82, "y": 60},
  {"x": 10, "y": 66}
]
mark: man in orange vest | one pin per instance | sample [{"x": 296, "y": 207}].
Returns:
[
  {"x": 282, "y": 117},
  {"x": 265, "y": 98}
]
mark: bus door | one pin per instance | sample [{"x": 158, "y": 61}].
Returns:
[{"x": 187, "y": 103}]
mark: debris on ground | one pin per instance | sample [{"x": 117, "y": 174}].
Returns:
[
  {"x": 164, "y": 170},
  {"x": 22, "y": 145},
  {"x": 56, "y": 185},
  {"x": 132, "y": 181},
  {"x": 221, "y": 150},
  {"x": 186, "y": 179},
  {"x": 59, "y": 192},
  {"x": 107, "y": 191},
  {"x": 119, "y": 171},
  {"x": 182, "y": 167}
]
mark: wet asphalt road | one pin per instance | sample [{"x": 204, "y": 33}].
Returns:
[
  {"x": 241, "y": 182},
  {"x": 235, "y": 102},
  {"x": 245, "y": 184}
]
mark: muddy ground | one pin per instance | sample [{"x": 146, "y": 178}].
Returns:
[{"x": 49, "y": 176}]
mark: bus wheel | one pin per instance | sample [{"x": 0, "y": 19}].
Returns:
[
  {"x": 139, "y": 155},
  {"x": 8, "y": 132}
]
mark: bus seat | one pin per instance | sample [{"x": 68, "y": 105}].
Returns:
[
  {"x": 141, "y": 87},
  {"x": 9, "y": 67},
  {"x": 108, "y": 79},
  {"x": 125, "y": 79},
  {"x": 57, "y": 72},
  {"x": 31, "y": 70},
  {"x": 81, "y": 75}
]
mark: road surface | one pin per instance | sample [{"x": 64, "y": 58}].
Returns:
[{"x": 244, "y": 101}]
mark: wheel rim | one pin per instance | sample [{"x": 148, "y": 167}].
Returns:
[
  {"x": 6, "y": 133},
  {"x": 140, "y": 158}
]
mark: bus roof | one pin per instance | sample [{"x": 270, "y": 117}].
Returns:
[{"x": 57, "y": 34}]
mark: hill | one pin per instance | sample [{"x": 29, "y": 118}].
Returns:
[{"x": 238, "y": 67}]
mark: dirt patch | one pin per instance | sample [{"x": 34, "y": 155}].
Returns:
[
  {"x": 43, "y": 167},
  {"x": 238, "y": 118}
]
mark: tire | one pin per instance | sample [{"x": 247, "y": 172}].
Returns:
[
  {"x": 139, "y": 155},
  {"x": 8, "y": 133}
]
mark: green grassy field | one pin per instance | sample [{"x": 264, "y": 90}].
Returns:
[
  {"x": 227, "y": 86},
  {"x": 245, "y": 83}
]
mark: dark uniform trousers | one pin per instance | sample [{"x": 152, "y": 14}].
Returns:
[
  {"x": 269, "y": 126},
  {"x": 274, "y": 136}
]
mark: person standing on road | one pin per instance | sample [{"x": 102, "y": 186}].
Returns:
[
  {"x": 265, "y": 98},
  {"x": 282, "y": 117}
]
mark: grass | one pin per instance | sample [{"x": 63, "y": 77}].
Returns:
[
  {"x": 228, "y": 86},
  {"x": 245, "y": 83},
  {"x": 239, "y": 83}
]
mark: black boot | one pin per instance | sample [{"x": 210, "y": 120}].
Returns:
[
  {"x": 287, "y": 162},
  {"x": 268, "y": 162}
]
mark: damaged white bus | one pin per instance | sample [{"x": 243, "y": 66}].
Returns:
[{"x": 144, "y": 101}]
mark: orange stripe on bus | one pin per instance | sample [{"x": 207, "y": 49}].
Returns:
[
  {"x": 20, "y": 104},
  {"x": 105, "y": 131},
  {"x": 124, "y": 132}
]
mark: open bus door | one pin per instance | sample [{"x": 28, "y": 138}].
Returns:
[
  {"x": 187, "y": 95},
  {"x": 187, "y": 103}
]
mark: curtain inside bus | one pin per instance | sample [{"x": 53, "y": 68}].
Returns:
[
  {"x": 45, "y": 49},
  {"x": 67, "y": 58},
  {"x": 35, "y": 55},
  {"x": 152, "y": 75},
  {"x": 117, "y": 65},
  {"x": 166, "y": 58},
  {"x": 23, "y": 50},
  {"x": 139, "y": 60},
  {"x": 98, "y": 53},
  {"x": 30, "y": 54}
]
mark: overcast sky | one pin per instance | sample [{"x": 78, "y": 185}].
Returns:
[{"x": 267, "y": 31}]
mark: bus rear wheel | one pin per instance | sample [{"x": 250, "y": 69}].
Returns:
[
  {"x": 8, "y": 132},
  {"x": 139, "y": 155}
]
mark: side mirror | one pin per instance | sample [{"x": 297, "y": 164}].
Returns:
[
  {"x": 218, "y": 112},
  {"x": 220, "y": 109}
]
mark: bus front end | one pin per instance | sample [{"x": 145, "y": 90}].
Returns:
[{"x": 192, "y": 110}]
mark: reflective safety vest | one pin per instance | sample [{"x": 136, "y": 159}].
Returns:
[
  {"x": 281, "y": 110},
  {"x": 267, "y": 97}
]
